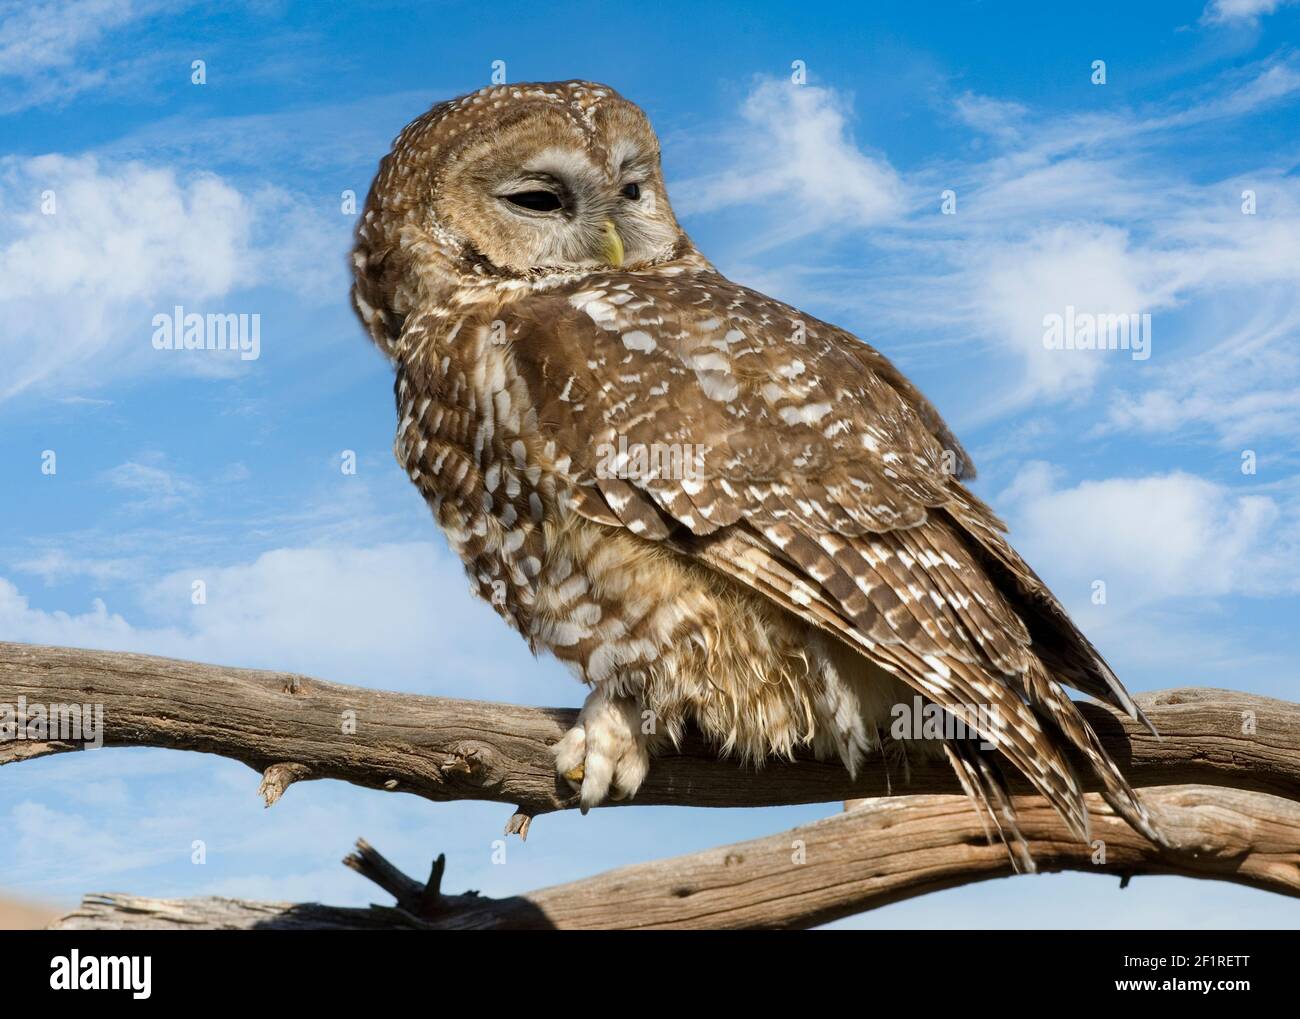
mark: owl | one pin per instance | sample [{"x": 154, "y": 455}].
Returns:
[{"x": 718, "y": 511}]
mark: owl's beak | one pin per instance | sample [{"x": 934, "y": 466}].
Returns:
[{"x": 612, "y": 245}]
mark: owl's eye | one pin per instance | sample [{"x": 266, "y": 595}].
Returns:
[
  {"x": 631, "y": 191},
  {"x": 537, "y": 201}
]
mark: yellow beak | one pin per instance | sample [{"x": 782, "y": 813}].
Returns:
[{"x": 612, "y": 245}]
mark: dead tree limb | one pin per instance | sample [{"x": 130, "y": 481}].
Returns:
[
  {"x": 1238, "y": 823},
  {"x": 885, "y": 850},
  {"x": 291, "y": 728}
]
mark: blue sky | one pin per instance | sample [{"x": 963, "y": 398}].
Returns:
[{"x": 228, "y": 197}]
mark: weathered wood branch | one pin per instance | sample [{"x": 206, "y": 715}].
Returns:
[
  {"x": 882, "y": 851},
  {"x": 292, "y": 728}
]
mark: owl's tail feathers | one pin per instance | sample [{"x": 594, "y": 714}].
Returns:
[
  {"x": 983, "y": 782},
  {"x": 982, "y": 779},
  {"x": 1054, "y": 707}
]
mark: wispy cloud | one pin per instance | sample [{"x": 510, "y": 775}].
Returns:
[
  {"x": 150, "y": 485},
  {"x": 1086, "y": 211},
  {"x": 1083, "y": 211},
  {"x": 1152, "y": 538},
  {"x": 88, "y": 253},
  {"x": 1240, "y": 391},
  {"x": 55, "y": 566},
  {"x": 796, "y": 151},
  {"x": 396, "y": 616},
  {"x": 42, "y": 36},
  {"x": 49, "y": 49},
  {"x": 1222, "y": 12},
  {"x": 91, "y": 251}
]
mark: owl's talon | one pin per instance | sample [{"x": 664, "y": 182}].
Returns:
[{"x": 604, "y": 756}]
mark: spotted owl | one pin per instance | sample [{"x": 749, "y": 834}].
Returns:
[{"x": 718, "y": 511}]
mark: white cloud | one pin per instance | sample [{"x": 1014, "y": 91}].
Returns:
[
  {"x": 51, "y": 50},
  {"x": 46, "y": 840},
  {"x": 79, "y": 285},
  {"x": 1150, "y": 539},
  {"x": 55, "y": 566},
  {"x": 1200, "y": 248},
  {"x": 1088, "y": 267},
  {"x": 39, "y": 36},
  {"x": 124, "y": 232},
  {"x": 1218, "y": 12},
  {"x": 1235, "y": 93},
  {"x": 96, "y": 628},
  {"x": 153, "y": 485},
  {"x": 1084, "y": 210},
  {"x": 1241, "y": 389},
  {"x": 396, "y": 616},
  {"x": 997, "y": 117},
  {"x": 796, "y": 150}
]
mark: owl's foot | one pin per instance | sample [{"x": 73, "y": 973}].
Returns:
[{"x": 604, "y": 755}]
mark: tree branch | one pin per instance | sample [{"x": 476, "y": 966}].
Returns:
[
  {"x": 882, "y": 851},
  {"x": 292, "y": 728}
]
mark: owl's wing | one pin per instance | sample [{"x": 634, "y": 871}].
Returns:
[{"x": 791, "y": 457}]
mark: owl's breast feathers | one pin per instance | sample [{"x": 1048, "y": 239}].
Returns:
[{"x": 654, "y": 443}]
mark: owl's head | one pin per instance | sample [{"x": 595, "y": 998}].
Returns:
[{"x": 513, "y": 181}]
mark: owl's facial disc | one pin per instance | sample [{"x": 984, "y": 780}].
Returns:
[
  {"x": 539, "y": 195},
  {"x": 567, "y": 212}
]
